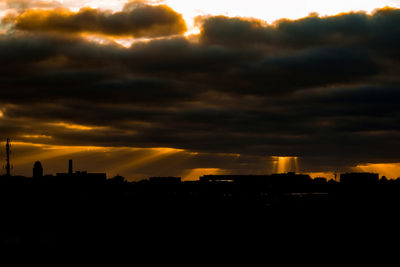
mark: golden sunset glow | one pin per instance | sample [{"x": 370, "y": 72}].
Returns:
[
  {"x": 55, "y": 147},
  {"x": 269, "y": 11},
  {"x": 285, "y": 164},
  {"x": 266, "y": 10},
  {"x": 153, "y": 155},
  {"x": 133, "y": 159},
  {"x": 35, "y": 136},
  {"x": 390, "y": 170},
  {"x": 194, "y": 174},
  {"x": 229, "y": 83},
  {"x": 327, "y": 175},
  {"x": 48, "y": 151}
]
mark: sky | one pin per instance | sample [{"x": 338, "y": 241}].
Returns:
[{"x": 188, "y": 88}]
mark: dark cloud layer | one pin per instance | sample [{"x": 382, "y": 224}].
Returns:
[
  {"x": 325, "y": 89},
  {"x": 375, "y": 30},
  {"x": 138, "y": 20}
]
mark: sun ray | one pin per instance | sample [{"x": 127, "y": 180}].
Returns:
[
  {"x": 285, "y": 164},
  {"x": 47, "y": 151},
  {"x": 153, "y": 155}
]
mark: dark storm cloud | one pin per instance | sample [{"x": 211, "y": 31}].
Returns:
[
  {"x": 233, "y": 31},
  {"x": 325, "y": 89},
  {"x": 139, "y": 20},
  {"x": 29, "y": 49},
  {"x": 310, "y": 68},
  {"x": 376, "y": 30}
]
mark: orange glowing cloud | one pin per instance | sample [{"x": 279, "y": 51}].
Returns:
[
  {"x": 35, "y": 136},
  {"x": 137, "y": 21},
  {"x": 74, "y": 126}
]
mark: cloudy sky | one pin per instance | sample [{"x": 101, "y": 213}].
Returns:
[{"x": 186, "y": 88}]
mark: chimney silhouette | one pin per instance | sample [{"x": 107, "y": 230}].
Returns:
[{"x": 70, "y": 167}]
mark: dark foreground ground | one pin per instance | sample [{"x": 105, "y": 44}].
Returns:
[{"x": 201, "y": 218}]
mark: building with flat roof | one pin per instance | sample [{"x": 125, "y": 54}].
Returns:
[
  {"x": 167, "y": 179},
  {"x": 359, "y": 178},
  {"x": 82, "y": 176}
]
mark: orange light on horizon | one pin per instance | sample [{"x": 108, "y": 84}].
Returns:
[
  {"x": 49, "y": 151},
  {"x": 327, "y": 175},
  {"x": 194, "y": 174},
  {"x": 134, "y": 158},
  {"x": 390, "y": 170}
]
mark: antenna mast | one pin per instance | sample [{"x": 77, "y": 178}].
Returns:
[{"x": 8, "y": 166}]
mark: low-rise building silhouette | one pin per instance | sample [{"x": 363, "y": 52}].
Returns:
[
  {"x": 167, "y": 179},
  {"x": 81, "y": 176},
  {"x": 359, "y": 178},
  {"x": 281, "y": 178}
]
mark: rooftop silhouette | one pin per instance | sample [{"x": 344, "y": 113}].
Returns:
[{"x": 67, "y": 205}]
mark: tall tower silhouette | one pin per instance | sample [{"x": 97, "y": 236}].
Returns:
[
  {"x": 37, "y": 170},
  {"x": 8, "y": 152}
]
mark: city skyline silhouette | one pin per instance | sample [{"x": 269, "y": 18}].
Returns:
[
  {"x": 152, "y": 121},
  {"x": 270, "y": 165},
  {"x": 89, "y": 207}
]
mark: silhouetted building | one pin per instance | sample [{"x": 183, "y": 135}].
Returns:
[
  {"x": 168, "y": 179},
  {"x": 281, "y": 178},
  {"x": 82, "y": 177},
  {"x": 221, "y": 178},
  {"x": 37, "y": 170},
  {"x": 320, "y": 180},
  {"x": 118, "y": 179},
  {"x": 359, "y": 178},
  {"x": 70, "y": 170},
  {"x": 291, "y": 178}
]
